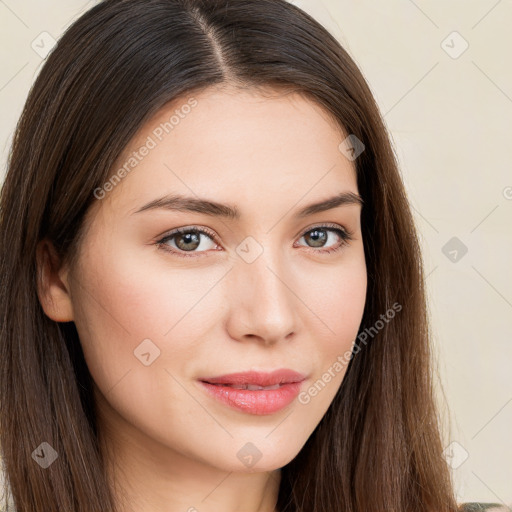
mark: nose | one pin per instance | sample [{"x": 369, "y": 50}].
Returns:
[{"x": 262, "y": 302}]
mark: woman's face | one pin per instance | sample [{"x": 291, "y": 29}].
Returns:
[{"x": 156, "y": 313}]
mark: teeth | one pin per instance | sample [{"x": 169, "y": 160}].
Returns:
[{"x": 249, "y": 387}]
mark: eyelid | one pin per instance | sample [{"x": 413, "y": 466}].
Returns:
[
  {"x": 324, "y": 225},
  {"x": 200, "y": 229}
]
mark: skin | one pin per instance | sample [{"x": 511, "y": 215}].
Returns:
[{"x": 169, "y": 445}]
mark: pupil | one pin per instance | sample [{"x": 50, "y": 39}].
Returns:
[
  {"x": 319, "y": 237},
  {"x": 188, "y": 237}
]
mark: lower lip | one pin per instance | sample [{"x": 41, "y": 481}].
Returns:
[{"x": 255, "y": 401}]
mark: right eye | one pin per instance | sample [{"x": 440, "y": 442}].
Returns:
[{"x": 185, "y": 240}]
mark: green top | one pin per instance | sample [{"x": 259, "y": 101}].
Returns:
[{"x": 479, "y": 507}]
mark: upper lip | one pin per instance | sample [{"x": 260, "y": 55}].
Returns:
[{"x": 281, "y": 376}]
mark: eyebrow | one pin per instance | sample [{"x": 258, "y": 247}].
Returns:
[{"x": 207, "y": 207}]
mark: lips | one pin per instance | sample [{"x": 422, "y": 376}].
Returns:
[
  {"x": 250, "y": 387},
  {"x": 253, "y": 398},
  {"x": 253, "y": 380}
]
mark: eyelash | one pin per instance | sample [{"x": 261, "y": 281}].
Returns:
[{"x": 345, "y": 235}]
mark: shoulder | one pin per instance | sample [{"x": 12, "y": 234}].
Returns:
[{"x": 481, "y": 507}]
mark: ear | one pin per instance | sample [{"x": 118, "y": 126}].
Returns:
[{"x": 52, "y": 283}]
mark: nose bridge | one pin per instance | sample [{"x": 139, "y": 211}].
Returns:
[
  {"x": 265, "y": 276},
  {"x": 262, "y": 299}
]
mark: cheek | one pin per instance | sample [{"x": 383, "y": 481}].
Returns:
[
  {"x": 336, "y": 295},
  {"x": 123, "y": 302},
  {"x": 141, "y": 330},
  {"x": 347, "y": 305},
  {"x": 337, "y": 303}
]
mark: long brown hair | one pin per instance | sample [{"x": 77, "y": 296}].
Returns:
[{"x": 379, "y": 446}]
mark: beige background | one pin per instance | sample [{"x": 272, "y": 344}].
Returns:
[{"x": 449, "y": 112}]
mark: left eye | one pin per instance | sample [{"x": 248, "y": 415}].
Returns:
[
  {"x": 319, "y": 237},
  {"x": 189, "y": 239}
]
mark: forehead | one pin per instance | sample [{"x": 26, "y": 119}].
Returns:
[{"x": 234, "y": 145}]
